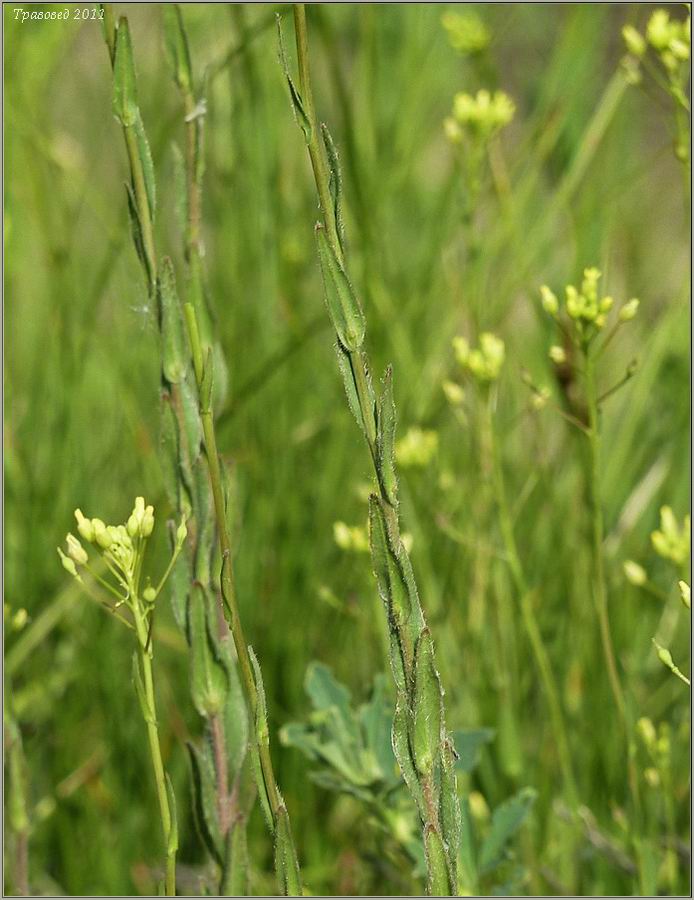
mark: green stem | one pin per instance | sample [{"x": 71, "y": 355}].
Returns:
[
  {"x": 600, "y": 587},
  {"x": 529, "y": 618},
  {"x": 154, "y": 746},
  {"x": 231, "y": 610}
]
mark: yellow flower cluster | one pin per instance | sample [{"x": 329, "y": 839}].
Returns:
[
  {"x": 481, "y": 116},
  {"x": 484, "y": 362},
  {"x": 584, "y": 305}
]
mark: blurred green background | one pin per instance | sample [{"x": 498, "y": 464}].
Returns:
[{"x": 81, "y": 413}]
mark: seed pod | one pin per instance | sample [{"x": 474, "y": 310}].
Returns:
[
  {"x": 428, "y": 707},
  {"x": 136, "y": 231},
  {"x": 286, "y": 863},
  {"x": 173, "y": 347},
  {"x": 343, "y": 306},
  {"x": 125, "y": 106},
  {"x": 177, "y": 46},
  {"x": 385, "y": 440}
]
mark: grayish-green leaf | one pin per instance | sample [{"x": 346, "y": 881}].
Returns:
[
  {"x": 286, "y": 863},
  {"x": 145, "y": 156},
  {"x": 438, "y": 884},
  {"x": 335, "y": 183},
  {"x": 209, "y": 678},
  {"x": 403, "y": 752},
  {"x": 205, "y": 800}
]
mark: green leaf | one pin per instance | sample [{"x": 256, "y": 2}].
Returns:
[
  {"x": 376, "y": 718},
  {"x": 344, "y": 361},
  {"x": 343, "y": 306},
  {"x": 262, "y": 732},
  {"x": 428, "y": 706},
  {"x": 205, "y": 800},
  {"x": 145, "y": 157},
  {"x": 385, "y": 440},
  {"x": 173, "y": 345},
  {"x": 438, "y": 884},
  {"x": 449, "y": 806},
  {"x": 506, "y": 820},
  {"x": 467, "y": 871},
  {"x": 125, "y": 107},
  {"x": 236, "y": 867},
  {"x": 207, "y": 383},
  {"x": 403, "y": 753},
  {"x": 209, "y": 678},
  {"x": 172, "y": 843},
  {"x": 140, "y": 691},
  {"x": 136, "y": 231},
  {"x": 177, "y": 46},
  {"x": 286, "y": 863},
  {"x": 236, "y": 725},
  {"x": 335, "y": 183},
  {"x": 468, "y": 744},
  {"x": 300, "y": 114},
  {"x": 392, "y": 586}
]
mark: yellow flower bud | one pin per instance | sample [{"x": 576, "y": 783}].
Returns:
[
  {"x": 101, "y": 535},
  {"x": 629, "y": 310},
  {"x": 85, "y": 529},
  {"x": 454, "y": 393},
  {"x": 76, "y": 551},
  {"x": 634, "y": 573},
  {"x": 147, "y": 526},
  {"x": 557, "y": 355},
  {"x": 550, "y": 304},
  {"x": 634, "y": 40},
  {"x": 685, "y": 593}
]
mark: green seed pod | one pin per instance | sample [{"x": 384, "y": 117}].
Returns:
[
  {"x": 428, "y": 707},
  {"x": 385, "y": 440},
  {"x": 125, "y": 106},
  {"x": 173, "y": 347},
  {"x": 262, "y": 732},
  {"x": 286, "y": 863},
  {"x": 343, "y": 306},
  {"x": 438, "y": 881},
  {"x": 177, "y": 46}
]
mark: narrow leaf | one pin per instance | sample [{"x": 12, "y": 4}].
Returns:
[
  {"x": 343, "y": 306},
  {"x": 335, "y": 183},
  {"x": 438, "y": 884},
  {"x": 286, "y": 863},
  {"x": 177, "y": 46},
  {"x": 205, "y": 801},
  {"x": 125, "y": 106},
  {"x": 209, "y": 680},
  {"x": 428, "y": 706},
  {"x": 403, "y": 753},
  {"x": 173, "y": 346},
  {"x": 300, "y": 114},
  {"x": 385, "y": 440},
  {"x": 172, "y": 843},
  {"x": 145, "y": 157}
]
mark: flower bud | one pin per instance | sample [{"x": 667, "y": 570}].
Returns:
[
  {"x": 454, "y": 393},
  {"x": 665, "y": 657},
  {"x": 629, "y": 310},
  {"x": 68, "y": 564},
  {"x": 101, "y": 535},
  {"x": 634, "y": 40},
  {"x": 76, "y": 551},
  {"x": 557, "y": 355},
  {"x": 84, "y": 527},
  {"x": 133, "y": 525},
  {"x": 634, "y": 573},
  {"x": 149, "y": 594},
  {"x": 461, "y": 349},
  {"x": 550, "y": 304},
  {"x": 147, "y": 526},
  {"x": 685, "y": 593},
  {"x": 181, "y": 532}
]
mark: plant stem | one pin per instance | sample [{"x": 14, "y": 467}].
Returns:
[
  {"x": 231, "y": 611},
  {"x": 599, "y": 584},
  {"x": 430, "y": 776},
  {"x": 154, "y": 746},
  {"x": 525, "y": 598}
]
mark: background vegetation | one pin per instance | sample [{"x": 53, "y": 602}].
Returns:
[{"x": 565, "y": 190}]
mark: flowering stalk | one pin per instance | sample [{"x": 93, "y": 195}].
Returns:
[
  {"x": 421, "y": 742},
  {"x": 587, "y": 315},
  {"x": 122, "y": 548}
]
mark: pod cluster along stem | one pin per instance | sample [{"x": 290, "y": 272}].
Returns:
[{"x": 422, "y": 744}]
